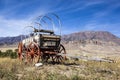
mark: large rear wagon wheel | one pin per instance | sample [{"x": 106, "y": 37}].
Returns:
[
  {"x": 60, "y": 57},
  {"x": 33, "y": 53}
]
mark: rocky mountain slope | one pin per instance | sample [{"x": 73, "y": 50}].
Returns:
[
  {"x": 92, "y": 35},
  {"x": 10, "y": 40},
  {"x": 86, "y": 35}
]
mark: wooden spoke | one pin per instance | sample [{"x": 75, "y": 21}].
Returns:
[
  {"x": 33, "y": 52},
  {"x": 60, "y": 56}
]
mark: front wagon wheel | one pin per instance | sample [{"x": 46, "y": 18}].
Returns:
[{"x": 33, "y": 53}]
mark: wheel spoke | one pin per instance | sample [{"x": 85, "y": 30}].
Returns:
[
  {"x": 60, "y": 58},
  {"x": 33, "y": 51},
  {"x": 61, "y": 50}
]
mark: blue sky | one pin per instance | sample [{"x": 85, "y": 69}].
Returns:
[{"x": 76, "y": 15}]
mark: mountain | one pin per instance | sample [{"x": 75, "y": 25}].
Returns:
[
  {"x": 92, "y": 35},
  {"x": 86, "y": 35},
  {"x": 10, "y": 40}
]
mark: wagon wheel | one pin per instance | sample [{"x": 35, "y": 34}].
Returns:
[
  {"x": 33, "y": 53},
  {"x": 21, "y": 51},
  {"x": 61, "y": 55}
]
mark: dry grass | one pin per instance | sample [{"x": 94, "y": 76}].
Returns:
[{"x": 13, "y": 69}]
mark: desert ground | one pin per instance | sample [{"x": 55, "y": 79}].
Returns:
[{"x": 86, "y": 62}]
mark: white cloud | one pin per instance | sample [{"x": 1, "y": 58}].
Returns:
[
  {"x": 12, "y": 27},
  {"x": 96, "y": 26},
  {"x": 112, "y": 5},
  {"x": 84, "y": 4}
]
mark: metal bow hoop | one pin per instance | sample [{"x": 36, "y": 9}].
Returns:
[
  {"x": 45, "y": 16},
  {"x": 30, "y": 27},
  {"x": 39, "y": 24},
  {"x": 41, "y": 18},
  {"x": 60, "y": 25},
  {"x": 25, "y": 34}
]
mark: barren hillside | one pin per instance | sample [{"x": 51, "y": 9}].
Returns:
[{"x": 92, "y": 35}]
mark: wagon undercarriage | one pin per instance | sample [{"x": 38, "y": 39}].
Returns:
[{"x": 34, "y": 54}]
